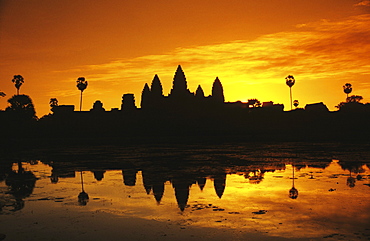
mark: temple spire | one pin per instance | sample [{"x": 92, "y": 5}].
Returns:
[
  {"x": 218, "y": 91},
  {"x": 199, "y": 93},
  {"x": 179, "y": 86},
  {"x": 156, "y": 86},
  {"x": 145, "y": 96}
]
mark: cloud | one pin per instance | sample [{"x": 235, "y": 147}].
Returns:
[
  {"x": 365, "y": 3},
  {"x": 317, "y": 45}
]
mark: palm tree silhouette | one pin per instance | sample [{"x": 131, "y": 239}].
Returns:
[
  {"x": 53, "y": 102},
  {"x": 18, "y": 80},
  {"x": 347, "y": 88},
  {"x": 81, "y": 85},
  {"x": 290, "y": 82},
  {"x": 296, "y": 103}
]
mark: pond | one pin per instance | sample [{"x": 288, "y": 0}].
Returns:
[{"x": 289, "y": 191}]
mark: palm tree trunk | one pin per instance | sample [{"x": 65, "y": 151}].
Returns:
[
  {"x": 81, "y": 101},
  {"x": 82, "y": 182},
  {"x": 291, "y": 103}
]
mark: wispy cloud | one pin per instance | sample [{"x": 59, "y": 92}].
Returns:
[{"x": 363, "y": 3}]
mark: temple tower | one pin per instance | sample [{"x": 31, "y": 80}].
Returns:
[
  {"x": 179, "y": 86},
  {"x": 156, "y": 87},
  {"x": 128, "y": 102},
  {"x": 199, "y": 93},
  {"x": 145, "y": 97},
  {"x": 217, "y": 91}
]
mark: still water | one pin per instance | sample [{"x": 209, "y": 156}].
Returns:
[{"x": 291, "y": 191}]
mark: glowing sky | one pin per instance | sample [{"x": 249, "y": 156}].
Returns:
[{"x": 118, "y": 46}]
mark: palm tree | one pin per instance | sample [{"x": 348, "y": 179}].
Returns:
[
  {"x": 18, "y": 80},
  {"x": 347, "y": 88},
  {"x": 296, "y": 103},
  {"x": 81, "y": 85},
  {"x": 53, "y": 102},
  {"x": 290, "y": 82}
]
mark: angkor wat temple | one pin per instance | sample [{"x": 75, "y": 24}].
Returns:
[{"x": 180, "y": 99}]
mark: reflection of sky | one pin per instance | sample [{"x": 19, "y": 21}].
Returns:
[{"x": 325, "y": 204}]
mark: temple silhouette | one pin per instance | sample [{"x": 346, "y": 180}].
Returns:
[
  {"x": 180, "y": 97},
  {"x": 179, "y": 101},
  {"x": 190, "y": 116}
]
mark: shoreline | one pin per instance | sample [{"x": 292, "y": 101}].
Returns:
[{"x": 105, "y": 226}]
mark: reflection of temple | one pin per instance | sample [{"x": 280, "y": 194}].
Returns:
[
  {"x": 154, "y": 177},
  {"x": 156, "y": 172},
  {"x": 129, "y": 176},
  {"x": 181, "y": 183}
]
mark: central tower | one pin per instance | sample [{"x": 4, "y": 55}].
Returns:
[{"x": 179, "y": 85}]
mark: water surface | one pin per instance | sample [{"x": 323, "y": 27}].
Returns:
[{"x": 312, "y": 192}]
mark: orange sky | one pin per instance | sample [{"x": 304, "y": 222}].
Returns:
[{"x": 118, "y": 46}]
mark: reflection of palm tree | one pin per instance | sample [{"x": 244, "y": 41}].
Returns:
[
  {"x": 81, "y": 85},
  {"x": 351, "y": 181},
  {"x": 347, "y": 88},
  {"x": 18, "y": 80},
  {"x": 293, "y": 192},
  {"x": 83, "y": 197},
  {"x": 290, "y": 82},
  {"x": 21, "y": 185}
]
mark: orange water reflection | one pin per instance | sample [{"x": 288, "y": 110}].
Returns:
[{"x": 330, "y": 199}]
